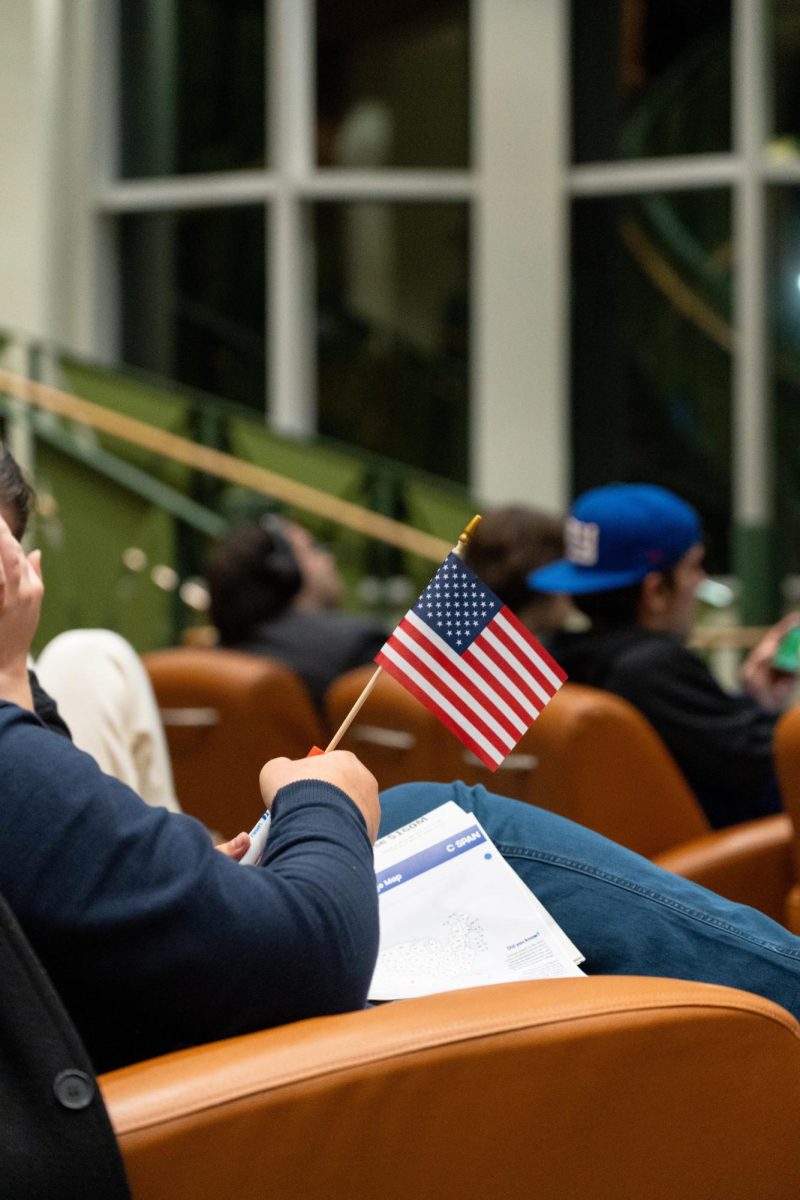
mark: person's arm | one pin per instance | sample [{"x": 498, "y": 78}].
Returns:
[
  {"x": 770, "y": 689},
  {"x": 153, "y": 938}
]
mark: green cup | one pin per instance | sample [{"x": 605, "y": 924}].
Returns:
[{"x": 787, "y": 656}]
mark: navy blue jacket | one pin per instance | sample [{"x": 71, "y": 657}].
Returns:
[{"x": 153, "y": 939}]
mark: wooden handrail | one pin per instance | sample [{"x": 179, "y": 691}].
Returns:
[
  {"x": 727, "y": 637},
  {"x": 224, "y": 466}
]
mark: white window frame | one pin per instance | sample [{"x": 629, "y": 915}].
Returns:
[
  {"x": 519, "y": 188},
  {"x": 746, "y": 171},
  {"x": 514, "y": 189}
]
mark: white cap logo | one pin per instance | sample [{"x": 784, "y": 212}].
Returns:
[{"x": 583, "y": 540}]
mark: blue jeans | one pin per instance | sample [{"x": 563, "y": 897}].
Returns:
[{"x": 624, "y": 913}]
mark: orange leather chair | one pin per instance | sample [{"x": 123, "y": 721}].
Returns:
[
  {"x": 393, "y": 734},
  {"x": 599, "y": 1087},
  {"x": 593, "y": 757},
  {"x": 225, "y": 713}
]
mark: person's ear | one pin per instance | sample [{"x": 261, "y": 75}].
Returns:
[{"x": 654, "y": 595}]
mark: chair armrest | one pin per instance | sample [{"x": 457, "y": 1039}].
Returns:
[
  {"x": 593, "y": 1086},
  {"x": 750, "y": 863}
]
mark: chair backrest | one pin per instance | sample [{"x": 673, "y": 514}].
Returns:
[
  {"x": 594, "y": 758},
  {"x": 393, "y": 734},
  {"x": 598, "y": 1087},
  {"x": 225, "y": 713},
  {"x": 786, "y": 745}
]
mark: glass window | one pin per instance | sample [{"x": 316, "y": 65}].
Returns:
[
  {"x": 784, "y": 292},
  {"x": 191, "y": 86},
  {"x": 650, "y": 78},
  {"x": 192, "y": 294},
  {"x": 392, "y": 83},
  {"x": 651, "y": 369},
  {"x": 783, "y": 49},
  {"x": 392, "y": 330}
]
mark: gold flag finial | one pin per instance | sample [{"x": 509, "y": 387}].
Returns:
[{"x": 464, "y": 537}]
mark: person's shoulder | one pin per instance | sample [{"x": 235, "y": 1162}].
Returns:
[
  {"x": 361, "y": 625},
  {"x": 660, "y": 663},
  {"x": 591, "y": 654},
  {"x": 652, "y": 646},
  {"x": 21, "y": 729},
  {"x": 339, "y": 625}
]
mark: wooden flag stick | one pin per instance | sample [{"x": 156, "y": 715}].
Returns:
[
  {"x": 354, "y": 711},
  {"x": 458, "y": 549}
]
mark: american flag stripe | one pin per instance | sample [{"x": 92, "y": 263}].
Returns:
[
  {"x": 473, "y": 679},
  {"x": 542, "y": 661},
  {"x": 488, "y": 755},
  {"x": 522, "y": 675},
  {"x": 424, "y": 654},
  {"x": 533, "y": 665},
  {"x": 497, "y": 669},
  {"x": 454, "y": 718},
  {"x": 498, "y": 684},
  {"x": 438, "y": 691}
]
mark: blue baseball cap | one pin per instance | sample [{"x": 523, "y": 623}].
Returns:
[{"x": 617, "y": 534}]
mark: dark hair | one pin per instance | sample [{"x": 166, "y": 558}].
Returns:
[
  {"x": 618, "y": 606},
  {"x": 508, "y": 544},
  {"x": 16, "y": 494},
  {"x": 252, "y": 576}
]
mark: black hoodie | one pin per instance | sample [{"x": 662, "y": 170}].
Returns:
[{"x": 722, "y": 743}]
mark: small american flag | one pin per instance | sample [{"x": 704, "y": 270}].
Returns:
[{"x": 467, "y": 658}]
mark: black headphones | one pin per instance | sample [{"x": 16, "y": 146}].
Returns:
[{"x": 280, "y": 564}]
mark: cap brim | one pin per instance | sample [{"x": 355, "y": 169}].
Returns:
[{"x": 575, "y": 580}]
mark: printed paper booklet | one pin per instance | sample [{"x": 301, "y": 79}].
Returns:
[{"x": 453, "y": 914}]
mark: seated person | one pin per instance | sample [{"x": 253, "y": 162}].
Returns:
[
  {"x": 274, "y": 591},
  {"x": 103, "y": 696},
  {"x": 634, "y": 560},
  {"x": 156, "y": 941},
  {"x": 506, "y": 546}
]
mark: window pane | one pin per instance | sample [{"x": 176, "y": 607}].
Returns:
[
  {"x": 783, "y": 50},
  {"x": 784, "y": 291},
  {"x": 191, "y": 86},
  {"x": 192, "y": 298},
  {"x": 650, "y": 77},
  {"x": 392, "y": 332},
  {"x": 392, "y": 83},
  {"x": 651, "y": 372}
]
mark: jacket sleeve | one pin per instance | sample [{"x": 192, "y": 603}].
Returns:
[
  {"x": 723, "y": 742},
  {"x": 154, "y": 939}
]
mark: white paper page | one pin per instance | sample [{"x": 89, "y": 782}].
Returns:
[{"x": 453, "y": 913}]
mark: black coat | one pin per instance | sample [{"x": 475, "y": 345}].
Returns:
[{"x": 56, "y": 1141}]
